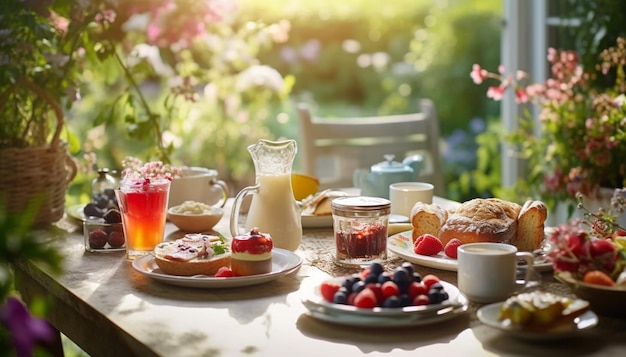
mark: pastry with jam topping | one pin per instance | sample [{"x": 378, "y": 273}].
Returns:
[
  {"x": 251, "y": 253},
  {"x": 194, "y": 254}
]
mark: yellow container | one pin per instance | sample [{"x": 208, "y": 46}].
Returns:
[{"x": 303, "y": 185}]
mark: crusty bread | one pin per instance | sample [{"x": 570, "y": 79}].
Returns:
[
  {"x": 530, "y": 225},
  {"x": 482, "y": 220},
  {"x": 427, "y": 218},
  {"x": 197, "y": 266}
]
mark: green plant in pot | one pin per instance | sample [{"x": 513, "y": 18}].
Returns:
[{"x": 39, "y": 67}]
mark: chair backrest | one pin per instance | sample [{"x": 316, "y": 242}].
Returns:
[{"x": 333, "y": 148}]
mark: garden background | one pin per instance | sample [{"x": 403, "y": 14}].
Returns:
[{"x": 348, "y": 58}]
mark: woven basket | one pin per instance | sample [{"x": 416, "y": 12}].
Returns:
[{"x": 36, "y": 178}]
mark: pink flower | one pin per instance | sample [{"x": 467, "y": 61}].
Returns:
[
  {"x": 478, "y": 74},
  {"x": 521, "y": 96},
  {"x": 496, "y": 93}
]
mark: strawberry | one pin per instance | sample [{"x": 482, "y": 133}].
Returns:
[
  {"x": 366, "y": 299},
  {"x": 427, "y": 244},
  {"x": 224, "y": 272},
  {"x": 429, "y": 280},
  {"x": 328, "y": 290},
  {"x": 598, "y": 277},
  {"x": 451, "y": 247}
]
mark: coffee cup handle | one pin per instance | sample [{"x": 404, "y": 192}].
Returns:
[
  {"x": 530, "y": 261},
  {"x": 224, "y": 188}
]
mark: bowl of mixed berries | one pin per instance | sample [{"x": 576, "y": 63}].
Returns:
[{"x": 589, "y": 255}]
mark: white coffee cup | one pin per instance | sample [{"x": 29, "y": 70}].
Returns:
[
  {"x": 487, "y": 271},
  {"x": 198, "y": 184},
  {"x": 404, "y": 195}
]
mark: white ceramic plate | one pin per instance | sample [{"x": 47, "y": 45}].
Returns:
[
  {"x": 283, "y": 263},
  {"x": 312, "y": 221},
  {"x": 402, "y": 245},
  {"x": 455, "y": 300},
  {"x": 75, "y": 212},
  {"x": 489, "y": 315}
]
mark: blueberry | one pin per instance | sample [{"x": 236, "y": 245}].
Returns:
[
  {"x": 408, "y": 267},
  {"x": 405, "y": 300},
  {"x": 401, "y": 278},
  {"x": 376, "y": 268},
  {"x": 384, "y": 277},
  {"x": 436, "y": 296},
  {"x": 392, "y": 301},
  {"x": 417, "y": 277},
  {"x": 340, "y": 297},
  {"x": 436, "y": 286},
  {"x": 371, "y": 278},
  {"x": 358, "y": 286}
]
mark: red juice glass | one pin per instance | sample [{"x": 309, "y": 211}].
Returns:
[{"x": 143, "y": 204}]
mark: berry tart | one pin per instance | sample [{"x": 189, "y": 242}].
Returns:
[{"x": 251, "y": 253}]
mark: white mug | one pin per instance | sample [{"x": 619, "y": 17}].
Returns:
[
  {"x": 404, "y": 195},
  {"x": 198, "y": 184},
  {"x": 487, "y": 271}
]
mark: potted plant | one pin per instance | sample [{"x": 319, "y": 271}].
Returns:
[
  {"x": 39, "y": 66},
  {"x": 582, "y": 139}
]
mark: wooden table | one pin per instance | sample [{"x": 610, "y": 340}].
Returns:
[{"x": 109, "y": 309}]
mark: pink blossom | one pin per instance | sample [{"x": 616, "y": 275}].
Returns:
[
  {"x": 496, "y": 93},
  {"x": 521, "y": 96},
  {"x": 478, "y": 74},
  {"x": 501, "y": 69}
]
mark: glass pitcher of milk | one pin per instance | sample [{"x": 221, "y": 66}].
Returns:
[{"x": 273, "y": 209}]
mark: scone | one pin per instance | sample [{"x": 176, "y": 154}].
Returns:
[{"x": 427, "y": 218}]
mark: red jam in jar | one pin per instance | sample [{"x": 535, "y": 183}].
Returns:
[{"x": 360, "y": 226}]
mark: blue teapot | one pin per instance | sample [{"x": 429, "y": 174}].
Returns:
[{"x": 376, "y": 182}]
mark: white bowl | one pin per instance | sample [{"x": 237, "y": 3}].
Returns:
[{"x": 195, "y": 223}]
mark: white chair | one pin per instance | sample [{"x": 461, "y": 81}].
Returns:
[{"x": 332, "y": 148}]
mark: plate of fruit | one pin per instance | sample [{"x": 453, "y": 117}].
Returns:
[
  {"x": 100, "y": 204},
  {"x": 539, "y": 315},
  {"x": 428, "y": 251},
  {"x": 375, "y": 297}
]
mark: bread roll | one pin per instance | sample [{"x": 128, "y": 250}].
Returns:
[
  {"x": 482, "y": 220},
  {"x": 530, "y": 225},
  {"x": 427, "y": 218}
]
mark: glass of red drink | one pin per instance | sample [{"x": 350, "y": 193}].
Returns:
[{"x": 143, "y": 204}]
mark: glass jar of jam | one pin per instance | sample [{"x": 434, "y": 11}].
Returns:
[{"x": 360, "y": 227}]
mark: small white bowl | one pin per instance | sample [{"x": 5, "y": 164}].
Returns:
[{"x": 195, "y": 223}]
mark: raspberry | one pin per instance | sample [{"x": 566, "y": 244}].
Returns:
[
  {"x": 224, "y": 272},
  {"x": 451, "y": 247},
  {"x": 366, "y": 299},
  {"x": 416, "y": 289},
  {"x": 328, "y": 290},
  {"x": 389, "y": 288},
  {"x": 429, "y": 280},
  {"x": 427, "y": 244},
  {"x": 421, "y": 300}
]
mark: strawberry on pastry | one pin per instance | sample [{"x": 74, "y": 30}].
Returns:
[{"x": 427, "y": 244}]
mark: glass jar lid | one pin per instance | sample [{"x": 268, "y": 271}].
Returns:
[{"x": 353, "y": 205}]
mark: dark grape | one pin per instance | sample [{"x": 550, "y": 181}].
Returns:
[
  {"x": 112, "y": 216},
  {"x": 91, "y": 210},
  {"x": 116, "y": 239},
  {"x": 97, "y": 239}
]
